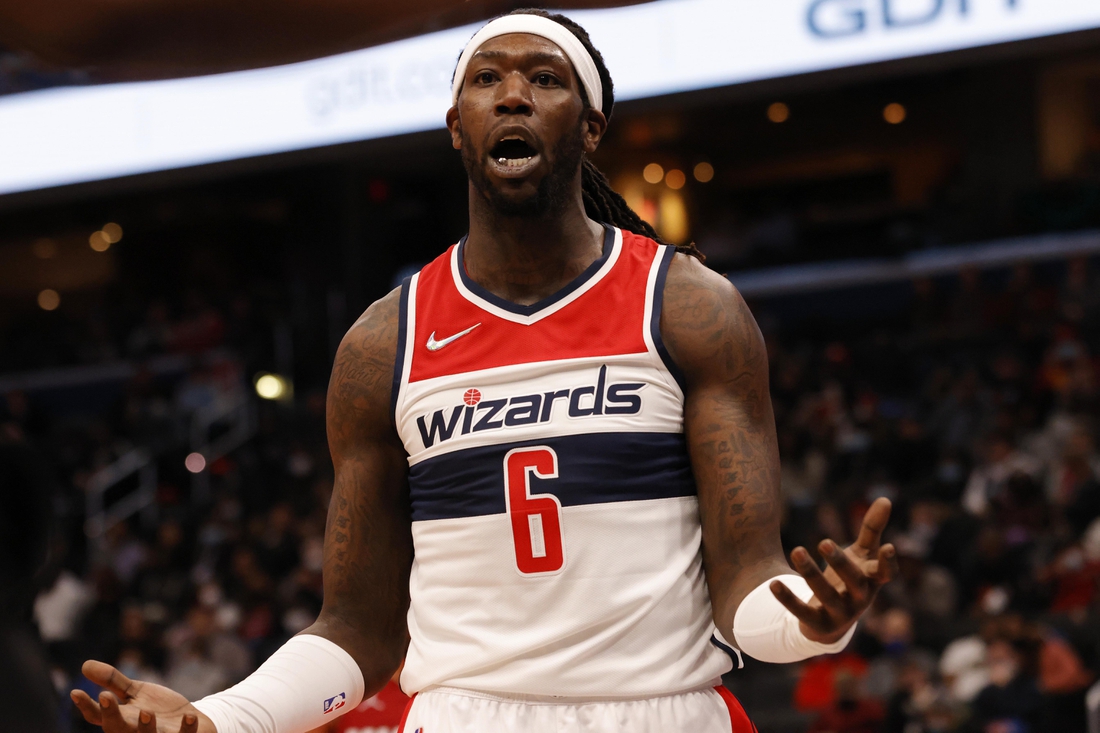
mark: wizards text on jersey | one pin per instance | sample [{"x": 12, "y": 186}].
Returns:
[{"x": 477, "y": 414}]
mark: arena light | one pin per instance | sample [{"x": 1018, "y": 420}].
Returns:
[
  {"x": 272, "y": 386},
  {"x": 112, "y": 232},
  {"x": 195, "y": 462},
  {"x": 99, "y": 241},
  {"x": 778, "y": 112},
  {"x": 49, "y": 300},
  {"x": 704, "y": 172},
  {"x": 673, "y": 217},
  {"x": 894, "y": 113},
  {"x": 653, "y": 173},
  {"x": 675, "y": 179},
  {"x": 634, "y": 193}
]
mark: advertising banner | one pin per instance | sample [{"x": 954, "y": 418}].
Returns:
[{"x": 68, "y": 135}]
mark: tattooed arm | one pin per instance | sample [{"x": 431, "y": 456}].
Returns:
[
  {"x": 711, "y": 335},
  {"x": 368, "y": 539},
  {"x": 730, "y": 429}
]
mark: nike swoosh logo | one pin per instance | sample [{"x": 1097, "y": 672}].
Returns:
[{"x": 434, "y": 345}]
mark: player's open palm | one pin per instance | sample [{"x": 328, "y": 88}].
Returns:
[
  {"x": 848, "y": 584},
  {"x": 132, "y": 706}
]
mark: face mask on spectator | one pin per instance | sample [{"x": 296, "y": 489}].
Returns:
[
  {"x": 949, "y": 472},
  {"x": 896, "y": 648},
  {"x": 1002, "y": 671}
]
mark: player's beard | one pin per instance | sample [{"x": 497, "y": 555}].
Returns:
[{"x": 553, "y": 192}]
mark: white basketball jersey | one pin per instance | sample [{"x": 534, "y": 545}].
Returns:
[{"x": 555, "y": 518}]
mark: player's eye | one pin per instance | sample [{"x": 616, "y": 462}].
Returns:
[
  {"x": 546, "y": 80},
  {"x": 484, "y": 77}
]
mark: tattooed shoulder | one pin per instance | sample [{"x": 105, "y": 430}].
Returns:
[
  {"x": 362, "y": 375},
  {"x": 707, "y": 326}
]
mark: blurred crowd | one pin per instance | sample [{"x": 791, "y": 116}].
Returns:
[
  {"x": 110, "y": 329},
  {"x": 978, "y": 418},
  {"x": 974, "y": 410},
  {"x": 197, "y": 594}
]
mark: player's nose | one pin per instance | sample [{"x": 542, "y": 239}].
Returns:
[{"x": 514, "y": 95}]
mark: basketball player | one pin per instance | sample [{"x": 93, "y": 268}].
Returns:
[{"x": 557, "y": 440}]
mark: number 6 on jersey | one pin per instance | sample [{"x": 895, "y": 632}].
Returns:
[{"x": 536, "y": 519}]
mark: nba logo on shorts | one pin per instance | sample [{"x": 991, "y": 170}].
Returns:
[{"x": 335, "y": 703}]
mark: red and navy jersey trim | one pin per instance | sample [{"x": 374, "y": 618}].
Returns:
[
  {"x": 602, "y": 315},
  {"x": 594, "y": 468},
  {"x": 733, "y": 654},
  {"x": 402, "y": 337},
  {"x": 740, "y": 721},
  {"x": 530, "y": 310},
  {"x": 667, "y": 255}
]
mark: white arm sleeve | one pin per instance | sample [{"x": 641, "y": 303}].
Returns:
[
  {"x": 306, "y": 683},
  {"x": 764, "y": 629}
]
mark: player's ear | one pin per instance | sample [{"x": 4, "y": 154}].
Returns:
[
  {"x": 454, "y": 124},
  {"x": 593, "y": 127}
]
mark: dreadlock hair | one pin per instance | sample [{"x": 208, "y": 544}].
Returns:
[{"x": 602, "y": 202}]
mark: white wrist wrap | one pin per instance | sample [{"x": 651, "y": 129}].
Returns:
[
  {"x": 764, "y": 629},
  {"x": 302, "y": 686}
]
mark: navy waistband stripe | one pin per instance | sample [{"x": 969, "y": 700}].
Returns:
[{"x": 595, "y": 468}]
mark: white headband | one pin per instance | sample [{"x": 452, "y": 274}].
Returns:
[{"x": 538, "y": 26}]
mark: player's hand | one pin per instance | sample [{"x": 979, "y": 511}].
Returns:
[
  {"x": 131, "y": 706},
  {"x": 849, "y": 584}
]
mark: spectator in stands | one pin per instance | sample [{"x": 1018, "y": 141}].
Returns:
[
  {"x": 1073, "y": 483},
  {"x": 851, "y": 712},
  {"x": 1093, "y": 708},
  {"x": 964, "y": 668},
  {"x": 125, "y": 552},
  {"x": 963, "y": 413},
  {"x": 193, "y": 674},
  {"x": 1000, "y": 462},
  {"x": 1063, "y": 681},
  {"x": 817, "y": 681},
  {"x": 163, "y": 577},
  {"x": 220, "y": 648},
  {"x": 1074, "y": 575},
  {"x": 920, "y": 704},
  {"x": 927, "y": 591},
  {"x": 893, "y": 630},
  {"x": 1011, "y": 701},
  {"x": 60, "y": 607}
]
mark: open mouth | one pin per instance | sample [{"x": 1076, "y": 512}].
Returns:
[{"x": 512, "y": 153}]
